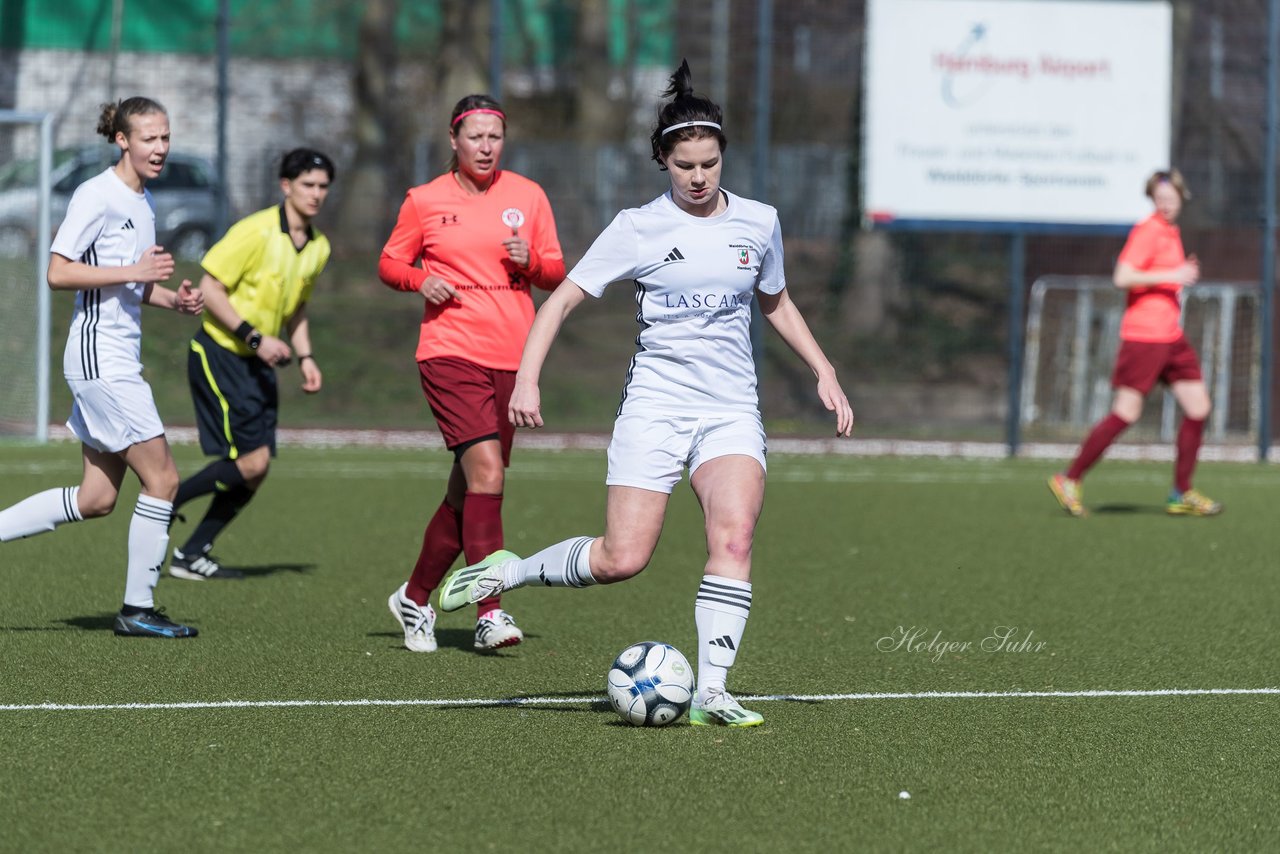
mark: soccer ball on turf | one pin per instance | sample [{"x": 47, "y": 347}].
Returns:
[{"x": 650, "y": 684}]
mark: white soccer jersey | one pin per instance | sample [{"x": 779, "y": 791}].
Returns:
[
  {"x": 695, "y": 280},
  {"x": 107, "y": 225}
]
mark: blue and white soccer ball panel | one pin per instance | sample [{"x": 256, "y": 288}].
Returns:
[{"x": 650, "y": 684}]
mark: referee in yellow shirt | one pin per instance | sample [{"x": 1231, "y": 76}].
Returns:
[{"x": 258, "y": 279}]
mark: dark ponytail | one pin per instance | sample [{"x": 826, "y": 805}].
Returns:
[
  {"x": 685, "y": 106},
  {"x": 116, "y": 117}
]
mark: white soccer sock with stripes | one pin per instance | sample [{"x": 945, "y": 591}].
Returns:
[
  {"x": 720, "y": 613},
  {"x": 42, "y": 512},
  {"x": 562, "y": 565},
  {"x": 148, "y": 546}
]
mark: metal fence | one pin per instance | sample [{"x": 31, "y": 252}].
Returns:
[
  {"x": 916, "y": 323},
  {"x": 1073, "y": 333}
]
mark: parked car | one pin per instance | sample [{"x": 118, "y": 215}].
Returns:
[{"x": 185, "y": 194}]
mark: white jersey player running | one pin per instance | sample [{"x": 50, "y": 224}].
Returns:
[
  {"x": 105, "y": 251},
  {"x": 699, "y": 257}
]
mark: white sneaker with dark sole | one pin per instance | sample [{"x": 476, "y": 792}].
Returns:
[
  {"x": 201, "y": 568},
  {"x": 417, "y": 621},
  {"x": 497, "y": 629}
]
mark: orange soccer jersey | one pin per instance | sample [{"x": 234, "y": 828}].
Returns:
[
  {"x": 458, "y": 237},
  {"x": 1154, "y": 312}
]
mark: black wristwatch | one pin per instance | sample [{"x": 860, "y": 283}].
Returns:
[{"x": 254, "y": 340}]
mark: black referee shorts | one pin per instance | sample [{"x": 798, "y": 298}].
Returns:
[{"x": 237, "y": 402}]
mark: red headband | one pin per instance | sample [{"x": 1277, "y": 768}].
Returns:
[{"x": 466, "y": 113}]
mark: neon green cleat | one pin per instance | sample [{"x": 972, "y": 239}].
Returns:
[
  {"x": 721, "y": 709},
  {"x": 1070, "y": 493},
  {"x": 470, "y": 584},
  {"x": 1192, "y": 503}
]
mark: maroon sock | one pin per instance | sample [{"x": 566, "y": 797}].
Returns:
[
  {"x": 1101, "y": 437},
  {"x": 481, "y": 534},
  {"x": 1189, "y": 436},
  {"x": 441, "y": 545}
]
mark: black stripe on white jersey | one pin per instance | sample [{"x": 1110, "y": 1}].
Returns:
[
  {"x": 631, "y": 368},
  {"x": 91, "y": 302}
]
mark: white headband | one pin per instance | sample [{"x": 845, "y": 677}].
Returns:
[{"x": 689, "y": 125}]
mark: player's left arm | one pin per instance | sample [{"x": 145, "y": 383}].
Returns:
[
  {"x": 300, "y": 336},
  {"x": 785, "y": 317},
  {"x": 185, "y": 300}
]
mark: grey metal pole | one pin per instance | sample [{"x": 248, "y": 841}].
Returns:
[
  {"x": 1017, "y": 278},
  {"x": 760, "y": 156},
  {"x": 764, "y": 99},
  {"x": 117, "y": 27},
  {"x": 720, "y": 51},
  {"x": 222, "y": 213},
  {"x": 44, "y": 237},
  {"x": 495, "y": 49},
  {"x": 1268, "y": 273}
]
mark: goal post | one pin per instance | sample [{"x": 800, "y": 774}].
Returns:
[
  {"x": 1073, "y": 334},
  {"x": 26, "y": 191}
]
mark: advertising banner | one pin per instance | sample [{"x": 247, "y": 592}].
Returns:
[{"x": 1014, "y": 111}]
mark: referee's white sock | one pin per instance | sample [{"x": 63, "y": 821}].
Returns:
[
  {"x": 42, "y": 512},
  {"x": 562, "y": 565},
  {"x": 148, "y": 546}
]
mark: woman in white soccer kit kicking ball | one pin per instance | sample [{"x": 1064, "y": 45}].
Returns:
[
  {"x": 698, "y": 255},
  {"x": 105, "y": 251}
]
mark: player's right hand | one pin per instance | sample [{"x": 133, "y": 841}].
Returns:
[
  {"x": 155, "y": 265},
  {"x": 525, "y": 408},
  {"x": 1189, "y": 272},
  {"x": 437, "y": 291},
  {"x": 190, "y": 300}
]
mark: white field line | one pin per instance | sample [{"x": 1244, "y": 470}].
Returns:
[
  {"x": 334, "y": 438},
  {"x": 576, "y": 701},
  {"x": 549, "y": 471},
  {"x": 793, "y": 470}
]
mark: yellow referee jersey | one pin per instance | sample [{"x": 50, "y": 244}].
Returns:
[{"x": 266, "y": 276}]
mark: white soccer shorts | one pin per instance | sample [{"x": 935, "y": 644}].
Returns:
[
  {"x": 651, "y": 451},
  {"x": 113, "y": 413}
]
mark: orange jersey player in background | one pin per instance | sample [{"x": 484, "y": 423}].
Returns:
[
  {"x": 484, "y": 237},
  {"x": 1152, "y": 269}
]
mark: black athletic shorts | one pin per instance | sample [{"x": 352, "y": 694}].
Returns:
[{"x": 236, "y": 398}]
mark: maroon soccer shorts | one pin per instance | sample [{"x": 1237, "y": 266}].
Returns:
[
  {"x": 469, "y": 403},
  {"x": 1139, "y": 364}
]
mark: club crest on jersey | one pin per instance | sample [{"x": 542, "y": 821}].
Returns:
[
  {"x": 744, "y": 255},
  {"x": 513, "y": 218}
]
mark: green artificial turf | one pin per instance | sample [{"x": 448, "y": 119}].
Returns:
[{"x": 851, "y": 556}]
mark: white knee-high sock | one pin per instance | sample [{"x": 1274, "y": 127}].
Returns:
[
  {"x": 148, "y": 545},
  {"x": 720, "y": 613},
  {"x": 42, "y": 512},
  {"x": 562, "y": 565}
]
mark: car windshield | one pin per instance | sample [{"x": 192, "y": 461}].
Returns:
[
  {"x": 179, "y": 173},
  {"x": 23, "y": 173}
]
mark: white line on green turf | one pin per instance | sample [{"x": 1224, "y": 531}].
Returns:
[
  {"x": 575, "y": 701},
  {"x": 786, "y": 472}
]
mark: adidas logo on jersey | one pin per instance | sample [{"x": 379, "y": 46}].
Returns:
[
  {"x": 673, "y": 255},
  {"x": 128, "y": 225}
]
